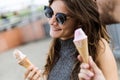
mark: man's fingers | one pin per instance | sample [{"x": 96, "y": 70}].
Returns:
[
  {"x": 83, "y": 76},
  {"x": 84, "y": 66},
  {"x": 87, "y": 72},
  {"x": 94, "y": 66},
  {"x": 79, "y": 58}
]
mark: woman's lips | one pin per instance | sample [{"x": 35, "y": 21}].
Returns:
[{"x": 56, "y": 29}]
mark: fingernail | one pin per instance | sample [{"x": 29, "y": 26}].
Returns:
[
  {"x": 91, "y": 74},
  {"x": 26, "y": 79},
  {"x": 91, "y": 59},
  {"x": 86, "y": 66}
]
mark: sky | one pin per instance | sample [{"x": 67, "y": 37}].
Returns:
[{"x": 18, "y": 4}]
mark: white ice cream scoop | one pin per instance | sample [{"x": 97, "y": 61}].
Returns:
[
  {"x": 18, "y": 55},
  {"x": 22, "y": 59},
  {"x": 81, "y": 43}
]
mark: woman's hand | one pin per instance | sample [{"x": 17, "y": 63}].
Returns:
[
  {"x": 32, "y": 73},
  {"x": 90, "y": 71}
]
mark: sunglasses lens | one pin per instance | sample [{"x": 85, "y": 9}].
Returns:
[
  {"x": 61, "y": 18},
  {"x": 48, "y": 12}
]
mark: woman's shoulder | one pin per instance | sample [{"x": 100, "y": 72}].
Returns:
[
  {"x": 103, "y": 49},
  {"x": 105, "y": 60},
  {"x": 103, "y": 43}
]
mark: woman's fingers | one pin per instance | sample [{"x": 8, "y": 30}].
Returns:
[
  {"x": 32, "y": 73},
  {"x": 28, "y": 71},
  {"x": 37, "y": 79},
  {"x": 37, "y": 75}
]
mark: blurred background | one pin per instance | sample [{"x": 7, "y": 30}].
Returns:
[
  {"x": 23, "y": 26},
  {"x": 21, "y": 22}
]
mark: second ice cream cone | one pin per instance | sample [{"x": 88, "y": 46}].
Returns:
[
  {"x": 81, "y": 43},
  {"x": 82, "y": 47}
]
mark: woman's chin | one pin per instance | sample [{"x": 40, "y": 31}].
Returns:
[{"x": 54, "y": 36}]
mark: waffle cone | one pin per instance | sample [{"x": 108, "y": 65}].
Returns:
[
  {"x": 25, "y": 62},
  {"x": 82, "y": 47}
]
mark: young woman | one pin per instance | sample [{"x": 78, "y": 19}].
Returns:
[{"x": 63, "y": 61}]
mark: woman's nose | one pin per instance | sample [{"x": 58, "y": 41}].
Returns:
[{"x": 52, "y": 21}]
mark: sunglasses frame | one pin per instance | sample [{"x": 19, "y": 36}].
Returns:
[{"x": 60, "y": 17}]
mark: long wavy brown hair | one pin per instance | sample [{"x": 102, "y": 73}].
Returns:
[{"x": 86, "y": 13}]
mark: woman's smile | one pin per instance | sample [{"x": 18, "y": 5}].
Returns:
[{"x": 56, "y": 30}]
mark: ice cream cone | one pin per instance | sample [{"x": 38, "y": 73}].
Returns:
[
  {"x": 82, "y": 49},
  {"x": 22, "y": 59},
  {"x": 25, "y": 62},
  {"x": 81, "y": 43}
]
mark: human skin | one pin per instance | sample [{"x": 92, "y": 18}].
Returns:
[
  {"x": 116, "y": 12},
  {"x": 57, "y": 30},
  {"x": 66, "y": 31},
  {"x": 107, "y": 66},
  {"x": 62, "y": 31},
  {"x": 109, "y": 11},
  {"x": 94, "y": 74}
]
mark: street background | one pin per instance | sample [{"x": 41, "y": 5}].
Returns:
[{"x": 35, "y": 51}]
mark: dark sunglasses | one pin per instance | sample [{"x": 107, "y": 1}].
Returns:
[{"x": 60, "y": 17}]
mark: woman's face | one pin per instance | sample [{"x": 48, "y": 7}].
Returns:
[{"x": 63, "y": 31}]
